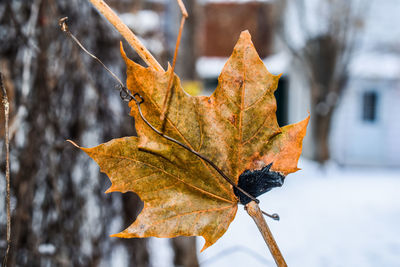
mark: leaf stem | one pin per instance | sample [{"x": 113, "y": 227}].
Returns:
[
  {"x": 129, "y": 36},
  {"x": 171, "y": 76},
  {"x": 254, "y": 211},
  {"x": 165, "y": 105},
  {"x": 7, "y": 142}
]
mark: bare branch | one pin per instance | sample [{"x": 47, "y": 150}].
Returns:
[
  {"x": 171, "y": 77},
  {"x": 64, "y": 27},
  {"x": 254, "y": 211},
  {"x": 183, "y": 9},
  {"x": 298, "y": 55}
]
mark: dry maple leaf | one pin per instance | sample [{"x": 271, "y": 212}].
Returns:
[{"x": 235, "y": 127}]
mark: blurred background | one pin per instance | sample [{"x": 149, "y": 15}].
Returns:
[{"x": 340, "y": 62}]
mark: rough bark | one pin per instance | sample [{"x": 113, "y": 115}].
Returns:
[{"x": 61, "y": 216}]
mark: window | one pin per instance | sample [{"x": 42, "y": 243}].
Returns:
[
  {"x": 281, "y": 102},
  {"x": 369, "y": 106}
]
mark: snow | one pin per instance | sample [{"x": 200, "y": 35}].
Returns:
[
  {"x": 143, "y": 21},
  {"x": 161, "y": 252},
  {"x": 211, "y": 67},
  {"x": 376, "y": 66},
  {"x": 329, "y": 217},
  {"x": 119, "y": 257},
  {"x": 153, "y": 44},
  {"x": 380, "y": 29},
  {"x": 278, "y": 63},
  {"x": 46, "y": 249}
]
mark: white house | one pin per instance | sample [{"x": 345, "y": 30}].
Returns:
[{"x": 366, "y": 124}]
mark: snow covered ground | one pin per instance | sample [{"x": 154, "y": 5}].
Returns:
[{"x": 331, "y": 217}]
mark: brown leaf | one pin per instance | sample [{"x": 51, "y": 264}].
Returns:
[
  {"x": 176, "y": 200},
  {"x": 235, "y": 127}
]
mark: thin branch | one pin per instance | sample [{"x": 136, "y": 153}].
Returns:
[
  {"x": 129, "y": 36},
  {"x": 123, "y": 91},
  {"x": 298, "y": 55},
  {"x": 7, "y": 142},
  {"x": 64, "y": 27},
  {"x": 171, "y": 77},
  {"x": 254, "y": 211}
]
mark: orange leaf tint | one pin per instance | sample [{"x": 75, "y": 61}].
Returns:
[{"x": 235, "y": 127}]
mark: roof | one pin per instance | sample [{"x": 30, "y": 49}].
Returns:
[
  {"x": 211, "y": 67},
  {"x": 376, "y": 66}
]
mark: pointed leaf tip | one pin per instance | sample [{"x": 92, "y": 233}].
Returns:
[
  {"x": 245, "y": 34},
  {"x": 118, "y": 235},
  {"x": 73, "y": 143},
  {"x": 285, "y": 148},
  {"x": 123, "y": 54},
  {"x": 245, "y": 37},
  {"x": 110, "y": 190}
]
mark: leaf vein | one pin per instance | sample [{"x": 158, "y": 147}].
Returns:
[
  {"x": 190, "y": 213},
  {"x": 167, "y": 173},
  {"x": 190, "y": 145}
]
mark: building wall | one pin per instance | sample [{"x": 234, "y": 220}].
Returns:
[
  {"x": 357, "y": 141},
  {"x": 299, "y": 104},
  {"x": 354, "y": 140},
  {"x": 223, "y": 23},
  {"x": 377, "y": 67}
]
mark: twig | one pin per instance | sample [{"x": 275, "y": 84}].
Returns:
[
  {"x": 254, "y": 211},
  {"x": 6, "y": 116},
  {"x": 129, "y": 36},
  {"x": 171, "y": 77},
  {"x": 64, "y": 27}
]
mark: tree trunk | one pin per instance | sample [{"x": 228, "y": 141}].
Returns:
[
  {"x": 185, "y": 251},
  {"x": 60, "y": 215},
  {"x": 321, "y": 117},
  {"x": 321, "y": 129}
]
